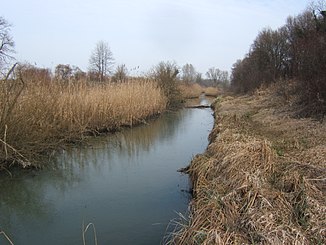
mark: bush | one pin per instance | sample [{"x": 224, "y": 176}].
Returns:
[{"x": 165, "y": 73}]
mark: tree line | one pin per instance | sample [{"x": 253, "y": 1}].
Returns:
[
  {"x": 168, "y": 75},
  {"x": 295, "y": 52},
  {"x": 101, "y": 66}
]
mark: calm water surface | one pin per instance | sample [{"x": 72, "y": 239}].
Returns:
[{"x": 126, "y": 185}]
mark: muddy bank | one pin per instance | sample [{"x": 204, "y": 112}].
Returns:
[{"x": 262, "y": 179}]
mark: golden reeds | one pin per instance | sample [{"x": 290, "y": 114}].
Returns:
[
  {"x": 46, "y": 114},
  {"x": 212, "y": 91},
  {"x": 190, "y": 91},
  {"x": 262, "y": 179},
  {"x": 194, "y": 90}
]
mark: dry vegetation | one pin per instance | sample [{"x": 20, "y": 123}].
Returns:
[
  {"x": 212, "y": 91},
  {"x": 263, "y": 177},
  {"x": 194, "y": 90},
  {"x": 293, "y": 52},
  {"x": 190, "y": 91},
  {"x": 37, "y": 117}
]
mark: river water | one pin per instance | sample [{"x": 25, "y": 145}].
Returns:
[{"x": 126, "y": 184}]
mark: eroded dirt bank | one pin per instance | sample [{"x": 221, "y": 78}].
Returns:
[{"x": 262, "y": 179}]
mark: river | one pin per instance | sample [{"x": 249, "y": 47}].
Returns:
[{"x": 126, "y": 184}]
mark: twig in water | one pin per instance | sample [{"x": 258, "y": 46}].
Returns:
[{"x": 27, "y": 163}]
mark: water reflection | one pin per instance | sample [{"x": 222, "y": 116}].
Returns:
[
  {"x": 129, "y": 142},
  {"x": 19, "y": 200},
  {"x": 201, "y": 100},
  {"x": 126, "y": 184}
]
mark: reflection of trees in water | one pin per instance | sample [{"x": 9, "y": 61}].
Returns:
[
  {"x": 24, "y": 196},
  {"x": 128, "y": 142},
  {"x": 136, "y": 140},
  {"x": 201, "y": 100},
  {"x": 21, "y": 198}
]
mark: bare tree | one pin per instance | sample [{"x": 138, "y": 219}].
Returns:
[
  {"x": 189, "y": 73},
  {"x": 296, "y": 51},
  {"x": 120, "y": 74},
  {"x": 199, "y": 78},
  {"x": 101, "y": 60},
  {"x": 319, "y": 6},
  {"x": 213, "y": 74},
  {"x": 6, "y": 42},
  {"x": 217, "y": 76}
]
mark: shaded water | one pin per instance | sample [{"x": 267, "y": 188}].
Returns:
[{"x": 126, "y": 184}]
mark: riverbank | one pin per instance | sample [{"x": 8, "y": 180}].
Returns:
[
  {"x": 125, "y": 184},
  {"x": 263, "y": 176},
  {"x": 40, "y": 117}
]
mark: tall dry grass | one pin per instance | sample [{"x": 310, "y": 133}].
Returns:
[
  {"x": 262, "y": 179},
  {"x": 194, "y": 90},
  {"x": 190, "y": 91},
  {"x": 37, "y": 117},
  {"x": 212, "y": 91}
]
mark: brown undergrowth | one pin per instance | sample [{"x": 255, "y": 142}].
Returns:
[{"x": 262, "y": 179}]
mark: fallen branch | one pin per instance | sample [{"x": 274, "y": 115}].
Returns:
[
  {"x": 26, "y": 162},
  {"x": 198, "y": 106}
]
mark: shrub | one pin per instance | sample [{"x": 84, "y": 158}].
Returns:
[{"x": 165, "y": 74}]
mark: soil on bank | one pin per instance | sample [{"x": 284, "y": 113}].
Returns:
[{"x": 262, "y": 179}]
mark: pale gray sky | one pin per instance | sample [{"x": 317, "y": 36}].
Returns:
[{"x": 142, "y": 33}]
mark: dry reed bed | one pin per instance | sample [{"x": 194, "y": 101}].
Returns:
[
  {"x": 262, "y": 179},
  {"x": 212, "y": 91},
  {"x": 190, "y": 91},
  {"x": 46, "y": 115},
  {"x": 194, "y": 90}
]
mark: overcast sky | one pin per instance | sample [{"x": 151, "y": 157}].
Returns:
[{"x": 205, "y": 33}]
